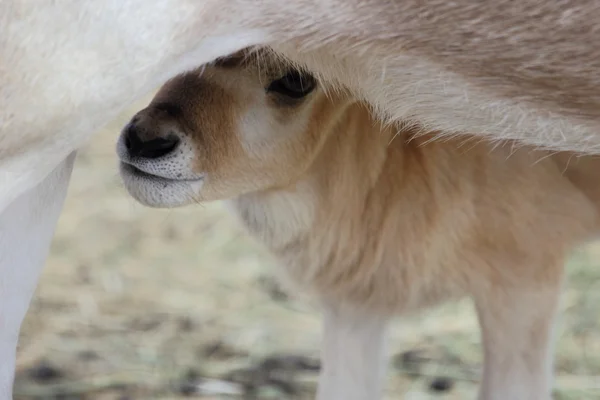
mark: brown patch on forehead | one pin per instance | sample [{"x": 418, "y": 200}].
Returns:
[
  {"x": 206, "y": 115},
  {"x": 234, "y": 60},
  {"x": 207, "y": 104}
]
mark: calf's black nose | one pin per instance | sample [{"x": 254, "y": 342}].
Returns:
[{"x": 153, "y": 148}]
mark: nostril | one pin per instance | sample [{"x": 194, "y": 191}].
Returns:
[
  {"x": 127, "y": 142},
  {"x": 159, "y": 147},
  {"x": 132, "y": 141},
  {"x": 154, "y": 148}
]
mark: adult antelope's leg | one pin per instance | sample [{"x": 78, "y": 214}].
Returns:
[
  {"x": 517, "y": 323},
  {"x": 26, "y": 229},
  {"x": 353, "y": 360}
]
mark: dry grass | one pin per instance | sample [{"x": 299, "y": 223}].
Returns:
[{"x": 138, "y": 303}]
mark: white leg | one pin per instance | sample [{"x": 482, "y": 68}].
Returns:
[
  {"x": 517, "y": 329},
  {"x": 353, "y": 360},
  {"x": 26, "y": 229}
]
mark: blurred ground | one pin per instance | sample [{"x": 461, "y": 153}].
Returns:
[{"x": 138, "y": 303}]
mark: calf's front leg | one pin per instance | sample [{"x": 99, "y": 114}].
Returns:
[
  {"x": 353, "y": 357},
  {"x": 517, "y": 321}
]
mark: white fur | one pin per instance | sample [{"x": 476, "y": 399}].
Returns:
[
  {"x": 67, "y": 69},
  {"x": 81, "y": 66},
  {"x": 267, "y": 210},
  {"x": 440, "y": 100},
  {"x": 26, "y": 228},
  {"x": 353, "y": 358}
]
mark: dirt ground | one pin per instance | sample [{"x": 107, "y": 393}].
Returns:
[{"x": 139, "y": 303}]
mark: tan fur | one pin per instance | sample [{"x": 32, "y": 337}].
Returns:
[
  {"x": 380, "y": 219},
  {"x": 453, "y": 222}
]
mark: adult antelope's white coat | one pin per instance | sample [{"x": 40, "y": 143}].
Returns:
[{"x": 526, "y": 70}]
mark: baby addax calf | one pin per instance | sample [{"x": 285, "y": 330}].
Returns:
[{"x": 372, "y": 224}]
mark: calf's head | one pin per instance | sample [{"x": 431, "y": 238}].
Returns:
[{"x": 241, "y": 124}]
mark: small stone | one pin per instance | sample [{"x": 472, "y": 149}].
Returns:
[
  {"x": 247, "y": 377},
  {"x": 290, "y": 362},
  {"x": 185, "y": 324},
  {"x": 219, "y": 350},
  {"x": 284, "y": 386},
  {"x": 187, "y": 389},
  {"x": 146, "y": 323},
  {"x": 217, "y": 387},
  {"x": 409, "y": 362},
  {"x": 441, "y": 384},
  {"x": 188, "y": 385},
  {"x": 44, "y": 372},
  {"x": 87, "y": 355}
]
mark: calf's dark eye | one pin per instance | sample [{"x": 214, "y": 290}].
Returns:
[{"x": 294, "y": 84}]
